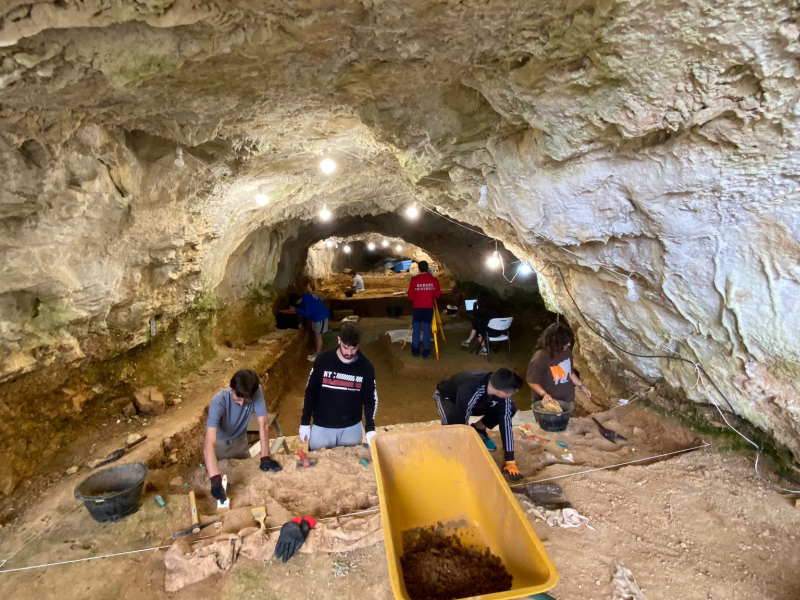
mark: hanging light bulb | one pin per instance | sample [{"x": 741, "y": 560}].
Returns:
[
  {"x": 484, "y": 201},
  {"x": 525, "y": 268},
  {"x": 412, "y": 212},
  {"x": 325, "y": 214},
  {"x": 632, "y": 295},
  {"x": 347, "y": 249},
  {"x": 494, "y": 260},
  {"x": 179, "y": 157},
  {"x": 262, "y": 199},
  {"x": 385, "y": 243},
  {"x": 398, "y": 248},
  {"x": 329, "y": 244},
  {"x": 370, "y": 246},
  {"x": 327, "y": 165}
]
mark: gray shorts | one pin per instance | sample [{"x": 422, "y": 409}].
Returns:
[
  {"x": 320, "y": 326},
  {"x": 235, "y": 448},
  {"x": 324, "y": 437}
]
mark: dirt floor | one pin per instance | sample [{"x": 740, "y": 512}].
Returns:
[
  {"x": 697, "y": 526},
  {"x": 396, "y": 368}
]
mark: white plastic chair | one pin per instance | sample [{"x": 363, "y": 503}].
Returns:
[{"x": 502, "y": 325}]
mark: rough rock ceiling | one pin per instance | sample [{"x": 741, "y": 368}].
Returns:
[{"x": 615, "y": 137}]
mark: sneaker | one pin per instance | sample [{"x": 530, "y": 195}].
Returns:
[
  {"x": 484, "y": 352},
  {"x": 428, "y": 355},
  {"x": 465, "y": 344},
  {"x": 487, "y": 441}
]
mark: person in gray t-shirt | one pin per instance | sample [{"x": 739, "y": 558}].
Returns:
[{"x": 226, "y": 429}]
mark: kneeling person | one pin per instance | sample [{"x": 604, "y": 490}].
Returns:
[
  {"x": 340, "y": 386},
  {"x": 489, "y": 395},
  {"x": 226, "y": 428}
]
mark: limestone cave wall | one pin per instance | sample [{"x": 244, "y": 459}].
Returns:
[{"x": 615, "y": 139}]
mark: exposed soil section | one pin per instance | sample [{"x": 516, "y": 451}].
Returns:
[{"x": 436, "y": 566}]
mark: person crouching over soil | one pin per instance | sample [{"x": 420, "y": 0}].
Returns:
[
  {"x": 226, "y": 429},
  {"x": 341, "y": 385},
  {"x": 488, "y": 394},
  {"x": 550, "y": 374},
  {"x": 313, "y": 308}
]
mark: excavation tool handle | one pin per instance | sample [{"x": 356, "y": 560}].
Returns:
[
  {"x": 193, "y": 510},
  {"x": 302, "y": 455},
  {"x": 137, "y": 442}
]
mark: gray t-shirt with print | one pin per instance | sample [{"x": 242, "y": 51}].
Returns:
[{"x": 229, "y": 418}]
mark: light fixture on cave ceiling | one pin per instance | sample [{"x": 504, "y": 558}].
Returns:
[
  {"x": 385, "y": 243},
  {"x": 329, "y": 243},
  {"x": 398, "y": 248},
  {"x": 325, "y": 214},
  {"x": 632, "y": 295},
  {"x": 262, "y": 199},
  {"x": 371, "y": 246},
  {"x": 412, "y": 212},
  {"x": 327, "y": 165},
  {"x": 179, "y": 157},
  {"x": 494, "y": 261},
  {"x": 347, "y": 249},
  {"x": 525, "y": 268}
]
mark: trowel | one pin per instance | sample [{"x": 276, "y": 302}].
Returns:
[
  {"x": 609, "y": 434},
  {"x": 117, "y": 454},
  {"x": 223, "y": 506}
]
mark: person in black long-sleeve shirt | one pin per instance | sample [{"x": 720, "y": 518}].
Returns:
[
  {"x": 480, "y": 393},
  {"x": 340, "y": 386}
]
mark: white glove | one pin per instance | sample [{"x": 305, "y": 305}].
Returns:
[
  {"x": 305, "y": 432},
  {"x": 370, "y": 435}
]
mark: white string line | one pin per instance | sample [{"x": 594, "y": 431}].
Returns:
[
  {"x": 152, "y": 548},
  {"x": 632, "y": 462},
  {"x": 43, "y": 531}
]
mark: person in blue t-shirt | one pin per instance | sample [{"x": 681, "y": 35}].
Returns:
[
  {"x": 313, "y": 308},
  {"x": 226, "y": 428}
]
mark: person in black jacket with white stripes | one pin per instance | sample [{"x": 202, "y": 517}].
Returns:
[{"x": 483, "y": 394}]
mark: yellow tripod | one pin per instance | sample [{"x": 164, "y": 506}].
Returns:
[{"x": 436, "y": 327}]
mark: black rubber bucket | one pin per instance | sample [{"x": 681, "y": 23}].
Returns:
[
  {"x": 114, "y": 493},
  {"x": 553, "y": 421},
  {"x": 348, "y": 293},
  {"x": 394, "y": 311}
]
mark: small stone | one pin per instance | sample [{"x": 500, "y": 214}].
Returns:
[
  {"x": 797, "y": 503},
  {"x": 129, "y": 410},
  {"x": 167, "y": 443},
  {"x": 177, "y": 400},
  {"x": 72, "y": 470},
  {"x": 176, "y": 485},
  {"x": 637, "y": 432},
  {"x": 149, "y": 400}
]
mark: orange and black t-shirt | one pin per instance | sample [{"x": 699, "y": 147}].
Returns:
[{"x": 553, "y": 374}]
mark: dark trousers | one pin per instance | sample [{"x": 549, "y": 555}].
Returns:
[{"x": 421, "y": 321}]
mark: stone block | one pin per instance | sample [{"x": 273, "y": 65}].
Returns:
[
  {"x": 149, "y": 400},
  {"x": 129, "y": 410},
  {"x": 338, "y": 315}
]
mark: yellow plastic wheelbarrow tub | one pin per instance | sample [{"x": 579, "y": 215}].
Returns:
[{"x": 445, "y": 474}]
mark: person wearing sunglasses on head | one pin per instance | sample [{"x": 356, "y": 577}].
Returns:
[{"x": 226, "y": 428}]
